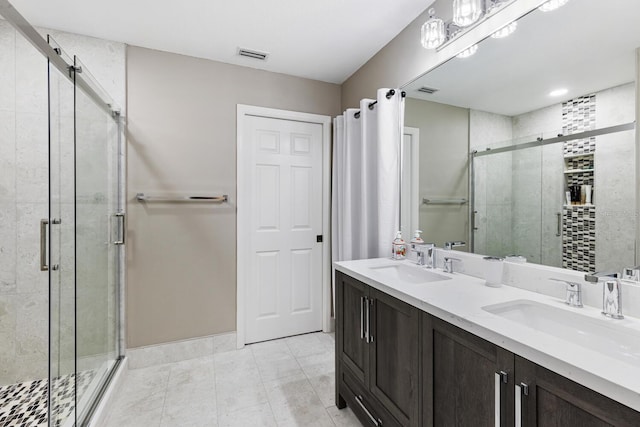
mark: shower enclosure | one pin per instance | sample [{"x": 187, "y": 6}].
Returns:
[
  {"x": 61, "y": 231},
  {"x": 520, "y": 204}
]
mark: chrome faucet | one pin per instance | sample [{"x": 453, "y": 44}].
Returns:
[
  {"x": 611, "y": 293},
  {"x": 448, "y": 263},
  {"x": 631, "y": 273},
  {"x": 425, "y": 253},
  {"x": 450, "y": 245},
  {"x": 574, "y": 292}
]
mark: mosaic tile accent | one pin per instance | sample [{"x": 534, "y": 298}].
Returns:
[
  {"x": 579, "y": 238},
  {"x": 580, "y": 179},
  {"x": 579, "y": 115},
  {"x": 579, "y": 222},
  {"x": 582, "y": 162},
  {"x": 25, "y": 404}
]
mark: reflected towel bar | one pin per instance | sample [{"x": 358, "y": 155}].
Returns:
[
  {"x": 141, "y": 197},
  {"x": 444, "y": 201}
]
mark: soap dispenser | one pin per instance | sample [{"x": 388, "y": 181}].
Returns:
[{"x": 398, "y": 247}]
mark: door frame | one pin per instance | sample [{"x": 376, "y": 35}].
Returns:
[
  {"x": 244, "y": 213},
  {"x": 413, "y": 215}
]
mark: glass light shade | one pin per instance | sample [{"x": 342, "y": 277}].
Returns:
[
  {"x": 505, "y": 31},
  {"x": 552, "y": 5},
  {"x": 433, "y": 34},
  {"x": 466, "y": 12},
  {"x": 468, "y": 51}
]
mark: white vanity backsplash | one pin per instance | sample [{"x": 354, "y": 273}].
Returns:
[{"x": 535, "y": 278}]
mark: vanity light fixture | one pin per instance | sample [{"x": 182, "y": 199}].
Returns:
[
  {"x": 466, "y": 12},
  {"x": 552, "y": 5},
  {"x": 468, "y": 51},
  {"x": 559, "y": 92},
  {"x": 433, "y": 33},
  {"x": 505, "y": 31}
]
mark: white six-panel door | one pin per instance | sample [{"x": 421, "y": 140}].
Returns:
[{"x": 283, "y": 276}]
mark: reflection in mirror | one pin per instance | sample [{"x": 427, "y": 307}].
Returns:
[{"x": 537, "y": 132}]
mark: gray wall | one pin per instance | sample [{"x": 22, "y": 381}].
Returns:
[
  {"x": 182, "y": 139},
  {"x": 444, "y": 144}
]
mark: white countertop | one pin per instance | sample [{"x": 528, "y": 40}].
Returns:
[{"x": 459, "y": 301}]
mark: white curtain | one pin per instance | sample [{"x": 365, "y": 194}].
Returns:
[{"x": 366, "y": 182}]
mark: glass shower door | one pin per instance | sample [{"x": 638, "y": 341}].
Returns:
[
  {"x": 98, "y": 239},
  {"x": 60, "y": 227}
]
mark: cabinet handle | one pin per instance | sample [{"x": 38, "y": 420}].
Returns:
[
  {"x": 521, "y": 389},
  {"x": 501, "y": 377},
  {"x": 369, "y": 334},
  {"x": 362, "y": 299},
  {"x": 376, "y": 422}
]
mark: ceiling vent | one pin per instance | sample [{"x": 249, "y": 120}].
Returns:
[
  {"x": 254, "y": 54},
  {"x": 427, "y": 90}
]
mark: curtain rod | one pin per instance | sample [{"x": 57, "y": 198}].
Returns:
[{"x": 388, "y": 95}]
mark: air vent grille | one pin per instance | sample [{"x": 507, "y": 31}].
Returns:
[
  {"x": 428, "y": 90},
  {"x": 254, "y": 54}
]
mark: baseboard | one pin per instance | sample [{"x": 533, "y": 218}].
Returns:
[{"x": 143, "y": 357}]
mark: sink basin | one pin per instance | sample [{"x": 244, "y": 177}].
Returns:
[
  {"x": 600, "y": 335},
  {"x": 410, "y": 274}
]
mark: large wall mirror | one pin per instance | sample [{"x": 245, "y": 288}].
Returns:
[{"x": 528, "y": 146}]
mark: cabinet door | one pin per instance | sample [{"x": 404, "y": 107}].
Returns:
[
  {"x": 553, "y": 400},
  {"x": 394, "y": 356},
  {"x": 461, "y": 378},
  {"x": 350, "y": 325}
]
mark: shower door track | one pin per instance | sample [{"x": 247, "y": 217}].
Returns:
[
  {"x": 31, "y": 34},
  {"x": 560, "y": 138}
]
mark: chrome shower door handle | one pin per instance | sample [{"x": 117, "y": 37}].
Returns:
[
  {"x": 120, "y": 239},
  {"x": 43, "y": 245},
  {"x": 559, "y": 225}
]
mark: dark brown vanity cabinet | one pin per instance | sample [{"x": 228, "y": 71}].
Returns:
[
  {"x": 544, "y": 398},
  {"x": 399, "y": 366},
  {"x": 467, "y": 381},
  {"x": 377, "y": 348}
]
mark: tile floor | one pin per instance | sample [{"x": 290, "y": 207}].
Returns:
[{"x": 286, "y": 382}]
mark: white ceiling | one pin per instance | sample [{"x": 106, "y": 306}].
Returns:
[
  {"x": 585, "y": 46},
  {"x": 325, "y": 40}
]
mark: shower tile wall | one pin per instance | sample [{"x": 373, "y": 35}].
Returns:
[
  {"x": 537, "y": 187},
  {"x": 24, "y": 299},
  {"x": 615, "y": 170},
  {"x": 23, "y": 202},
  {"x": 492, "y": 183}
]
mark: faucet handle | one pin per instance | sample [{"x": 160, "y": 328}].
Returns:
[
  {"x": 574, "y": 292},
  {"x": 631, "y": 273},
  {"x": 450, "y": 245},
  {"x": 448, "y": 263},
  {"x": 600, "y": 275}
]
